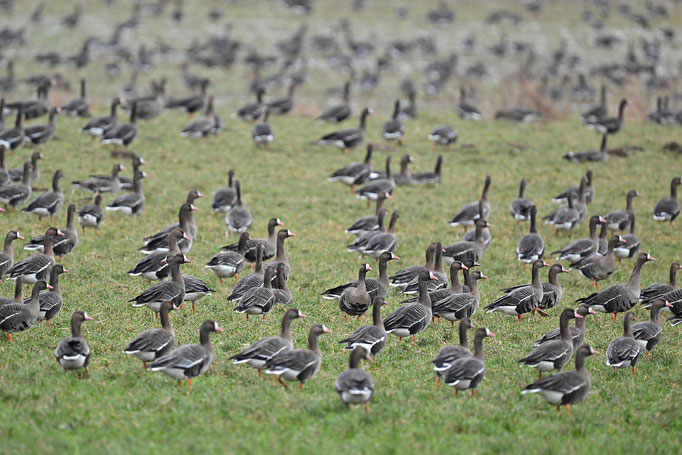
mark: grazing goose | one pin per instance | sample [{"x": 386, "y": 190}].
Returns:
[
  {"x": 382, "y": 241},
  {"x": 531, "y": 246},
  {"x": 17, "y": 317},
  {"x": 298, "y": 364},
  {"x": 469, "y": 213},
  {"x": 154, "y": 266},
  {"x": 37, "y": 267},
  {"x": 62, "y": 245},
  {"x": 250, "y": 281},
  {"x": 630, "y": 248},
  {"x": 51, "y": 300},
  {"x": 412, "y": 318},
  {"x": 152, "y": 344},
  {"x": 261, "y": 133},
  {"x": 372, "y": 338},
  {"x": 225, "y": 198},
  {"x": 375, "y": 187},
  {"x": 393, "y": 129},
  {"x": 195, "y": 289},
  {"x": 190, "y": 360},
  {"x": 648, "y": 334},
  {"x": 581, "y": 248},
  {"x": 99, "y": 126},
  {"x": 597, "y": 268},
  {"x": 624, "y": 351},
  {"x": 522, "y": 300},
  {"x": 258, "y": 300},
  {"x": 238, "y": 219},
  {"x": 354, "y": 300},
  {"x": 468, "y": 372},
  {"x": 355, "y": 173},
  {"x": 284, "y": 105},
  {"x": 412, "y": 286},
  {"x": 667, "y": 209},
  {"x": 78, "y": 107},
  {"x": 74, "y": 353},
  {"x": 102, "y": 183},
  {"x": 40, "y": 134},
  {"x": 17, "y": 193},
  {"x": 260, "y": 352},
  {"x": 589, "y": 191},
  {"x": 204, "y": 126},
  {"x": 91, "y": 215},
  {"x": 551, "y": 290},
  {"x": 618, "y": 220},
  {"x": 409, "y": 274},
  {"x": 455, "y": 286},
  {"x": 520, "y": 207},
  {"x": 374, "y": 286},
  {"x": 252, "y": 111},
  {"x": 250, "y": 246},
  {"x": 173, "y": 290},
  {"x": 18, "y": 285},
  {"x": 49, "y": 203},
  {"x": 349, "y": 138},
  {"x": 598, "y": 112},
  {"x": 281, "y": 256},
  {"x": 228, "y": 264},
  {"x": 11, "y": 139},
  {"x": 555, "y": 354},
  {"x": 355, "y": 385},
  {"x": 463, "y": 250},
  {"x": 443, "y": 135},
  {"x": 619, "y": 298},
  {"x": 448, "y": 354},
  {"x": 590, "y": 155},
  {"x": 649, "y": 293},
  {"x": 577, "y": 332},
  {"x": 610, "y": 125},
  {"x": 340, "y": 112},
  {"x": 132, "y": 203},
  {"x": 566, "y": 387},
  {"x": 159, "y": 241},
  {"x": 123, "y": 134},
  {"x": 7, "y": 254},
  {"x": 465, "y": 110},
  {"x": 430, "y": 177},
  {"x": 463, "y": 305}
]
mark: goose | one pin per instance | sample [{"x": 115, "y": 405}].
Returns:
[
  {"x": 250, "y": 281},
  {"x": 465, "y": 110},
  {"x": 283, "y": 295},
  {"x": 228, "y": 264},
  {"x": 11, "y": 139},
  {"x": 34, "y": 108},
  {"x": 270, "y": 243},
  {"x": 624, "y": 351},
  {"x": 354, "y": 300},
  {"x": 469, "y": 213},
  {"x": 173, "y": 290},
  {"x": 371, "y": 338},
  {"x": 577, "y": 331},
  {"x": 368, "y": 223},
  {"x": 464, "y": 249},
  {"x": 238, "y": 219},
  {"x": 589, "y": 190},
  {"x": 404, "y": 177},
  {"x": 149, "y": 107},
  {"x": 610, "y": 125},
  {"x": 103, "y": 184},
  {"x": 91, "y": 215},
  {"x": 531, "y": 246},
  {"x": 62, "y": 245},
  {"x": 584, "y": 247},
  {"x": 375, "y": 187},
  {"x": 7, "y": 254},
  {"x": 281, "y": 106},
  {"x": 152, "y": 344},
  {"x": 408, "y": 275},
  {"x": 649, "y": 293},
  {"x": 409, "y": 111},
  {"x": 123, "y": 134},
  {"x": 125, "y": 183},
  {"x": 225, "y": 198},
  {"x": 355, "y": 385},
  {"x": 339, "y": 112},
  {"x": 597, "y": 268},
  {"x": 191, "y": 103},
  {"x": 618, "y": 220},
  {"x": 376, "y": 287},
  {"x": 520, "y": 207},
  {"x": 382, "y": 241},
  {"x": 78, "y": 107},
  {"x": 566, "y": 387},
  {"x": 37, "y": 267},
  {"x": 447, "y": 355},
  {"x": 159, "y": 240},
  {"x": 619, "y": 298},
  {"x": 132, "y": 203},
  {"x": 430, "y": 177},
  {"x": 5, "y": 177},
  {"x": 630, "y": 248},
  {"x": 349, "y": 138},
  {"x": 17, "y": 317},
  {"x": 468, "y": 372},
  {"x": 412, "y": 318},
  {"x": 455, "y": 285},
  {"x": 190, "y": 360},
  {"x": 555, "y": 354},
  {"x": 51, "y": 300},
  {"x": 99, "y": 126},
  {"x": 565, "y": 217},
  {"x": 412, "y": 286},
  {"x": 18, "y": 285},
  {"x": 40, "y": 134},
  {"x": 443, "y": 135},
  {"x": 518, "y": 114},
  {"x": 667, "y": 209},
  {"x": 204, "y": 126},
  {"x": 48, "y": 203},
  {"x": 258, "y": 300},
  {"x": 393, "y": 129},
  {"x": 522, "y": 300},
  {"x": 154, "y": 266},
  {"x": 195, "y": 290},
  {"x": 470, "y": 236},
  {"x": 355, "y": 173},
  {"x": 648, "y": 334},
  {"x": 281, "y": 256},
  {"x": 458, "y": 306},
  {"x": 261, "y": 133},
  {"x": 74, "y": 353},
  {"x": 17, "y": 174},
  {"x": 252, "y": 111},
  {"x": 590, "y": 155},
  {"x": 17, "y": 193},
  {"x": 362, "y": 240},
  {"x": 551, "y": 290},
  {"x": 263, "y": 350},
  {"x": 598, "y": 112}
]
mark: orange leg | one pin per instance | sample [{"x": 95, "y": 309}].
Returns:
[
  {"x": 179, "y": 383},
  {"x": 399, "y": 338},
  {"x": 366, "y": 408},
  {"x": 87, "y": 372},
  {"x": 264, "y": 316},
  {"x": 414, "y": 338},
  {"x": 300, "y": 385},
  {"x": 437, "y": 382},
  {"x": 359, "y": 318},
  {"x": 144, "y": 365},
  {"x": 236, "y": 277},
  {"x": 452, "y": 323},
  {"x": 613, "y": 316},
  {"x": 156, "y": 315},
  {"x": 456, "y": 392},
  {"x": 633, "y": 370},
  {"x": 260, "y": 375},
  {"x": 539, "y": 374},
  {"x": 568, "y": 409},
  {"x": 181, "y": 306},
  {"x": 473, "y": 393},
  {"x": 9, "y": 337},
  {"x": 193, "y": 309},
  {"x": 520, "y": 317},
  {"x": 47, "y": 323},
  {"x": 279, "y": 379},
  {"x": 558, "y": 409},
  {"x": 648, "y": 355},
  {"x": 220, "y": 281},
  {"x": 189, "y": 383},
  {"x": 595, "y": 285}
]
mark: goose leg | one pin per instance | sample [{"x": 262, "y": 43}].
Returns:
[
  {"x": 189, "y": 383},
  {"x": 437, "y": 382},
  {"x": 279, "y": 379},
  {"x": 613, "y": 316},
  {"x": 520, "y": 317},
  {"x": 456, "y": 392},
  {"x": 414, "y": 339},
  {"x": 648, "y": 355},
  {"x": 366, "y": 408},
  {"x": 568, "y": 409},
  {"x": 300, "y": 385},
  {"x": 473, "y": 393},
  {"x": 539, "y": 374}
]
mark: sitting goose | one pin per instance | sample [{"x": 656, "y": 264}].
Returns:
[
  {"x": 590, "y": 155},
  {"x": 253, "y": 280},
  {"x": 376, "y": 287},
  {"x": 448, "y": 354},
  {"x": 238, "y": 219},
  {"x": 281, "y": 106},
  {"x": 463, "y": 250},
  {"x": 228, "y": 264},
  {"x": 40, "y": 134},
  {"x": 261, "y": 133},
  {"x": 159, "y": 241},
  {"x": 37, "y": 267},
  {"x": 355, "y": 173},
  {"x": 173, "y": 290},
  {"x": 355, "y": 385},
  {"x": 382, "y": 241},
  {"x": 412, "y": 318},
  {"x": 152, "y": 344},
  {"x": 195, "y": 289},
  {"x": 393, "y": 129},
  {"x": 409, "y": 274},
  {"x": 648, "y": 294},
  {"x": 630, "y": 248},
  {"x": 7, "y": 254},
  {"x": 270, "y": 243},
  {"x": 566, "y": 387},
  {"x": 648, "y": 334},
  {"x": 260, "y": 352},
  {"x": 11, "y": 139},
  {"x": 103, "y": 184},
  {"x": 74, "y": 353},
  {"x": 618, "y": 220},
  {"x": 577, "y": 331},
  {"x": 252, "y": 111},
  {"x": 610, "y": 125},
  {"x": 597, "y": 268},
  {"x": 385, "y": 184},
  {"x": 619, "y": 298},
  {"x": 154, "y": 266},
  {"x": 258, "y": 300},
  {"x": 298, "y": 364},
  {"x": 123, "y": 134},
  {"x": 667, "y": 209},
  {"x": 99, "y": 126},
  {"x": 225, "y": 198},
  {"x": 520, "y": 207},
  {"x": 62, "y": 245},
  {"x": 17, "y": 317},
  {"x": 531, "y": 246},
  {"x": 404, "y": 177},
  {"x": 430, "y": 177},
  {"x": 149, "y": 107},
  {"x": 281, "y": 256},
  {"x": 204, "y": 126},
  {"x": 91, "y": 215},
  {"x": 17, "y": 193},
  {"x": 624, "y": 351},
  {"x": 349, "y": 138},
  {"x": 469, "y": 213},
  {"x": 48, "y": 203},
  {"x": 133, "y": 203},
  {"x": 190, "y": 360},
  {"x": 458, "y": 306},
  {"x": 589, "y": 190},
  {"x": 371, "y": 338},
  {"x": 443, "y": 135},
  {"x": 551, "y": 290},
  {"x": 126, "y": 183},
  {"x": 523, "y": 299},
  {"x": 354, "y": 300},
  {"x": 78, "y": 107},
  {"x": 340, "y": 112},
  {"x": 598, "y": 112},
  {"x": 465, "y": 110},
  {"x": 584, "y": 247},
  {"x": 467, "y": 372}
]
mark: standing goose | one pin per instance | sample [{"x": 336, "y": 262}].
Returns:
[
  {"x": 464, "y": 110},
  {"x": 152, "y": 344},
  {"x": 149, "y": 107},
  {"x": 374, "y": 188},
  {"x": 160, "y": 242},
  {"x": 445, "y": 292},
  {"x": 469, "y": 213},
  {"x": 374, "y": 286},
  {"x": 443, "y": 135},
  {"x": 355, "y": 300},
  {"x": 520, "y": 207},
  {"x": 618, "y": 220},
  {"x": 577, "y": 332},
  {"x": 598, "y": 112},
  {"x": 630, "y": 248},
  {"x": 404, "y": 178},
  {"x": 355, "y": 173},
  {"x": 18, "y": 193},
  {"x": 648, "y": 334},
  {"x": 448, "y": 354},
  {"x": 610, "y": 125},
  {"x": 565, "y": 217},
  {"x": 298, "y": 364},
  {"x": 191, "y": 103},
  {"x": 257, "y": 355},
  {"x": 441, "y": 278},
  {"x": 667, "y": 209},
  {"x": 49, "y": 203},
  {"x": 523, "y": 299},
  {"x": 372, "y": 338},
  {"x": 281, "y": 106},
  {"x": 566, "y": 387},
  {"x": 597, "y": 268},
  {"x": 349, "y": 138},
  {"x": 154, "y": 266},
  {"x": 463, "y": 250},
  {"x": 238, "y": 219},
  {"x": 270, "y": 243},
  {"x": 555, "y": 354},
  {"x": 551, "y": 290},
  {"x": 99, "y": 126},
  {"x": 468, "y": 372},
  {"x": 649, "y": 293},
  {"x": 283, "y": 295},
  {"x": 470, "y": 236},
  {"x": 589, "y": 190},
  {"x": 281, "y": 256},
  {"x": 250, "y": 281},
  {"x": 37, "y": 267},
  {"x": 393, "y": 129},
  {"x": 11, "y": 139},
  {"x": 123, "y": 134},
  {"x": 102, "y": 183},
  {"x": 17, "y": 317},
  {"x": 190, "y": 360},
  {"x": 252, "y": 111},
  {"x": 362, "y": 240},
  {"x": 40, "y": 134},
  {"x": 74, "y": 353},
  {"x": 91, "y": 215},
  {"x": 459, "y": 306},
  {"x": 18, "y": 284},
  {"x": 225, "y": 198},
  {"x": 340, "y": 112},
  {"x": 584, "y": 247},
  {"x": 258, "y": 300},
  {"x": 195, "y": 290},
  {"x": 261, "y": 133},
  {"x": 228, "y": 264},
  {"x": 173, "y": 290},
  {"x": 619, "y": 298},
  {"x": 355, "y": 385},
  {"x": 624, "y": 351},
  {"x": 531, "y": 246},
  {"x": 412, "y": 318},
  {"x": 7, "y": 254},
  {"x": 51, "y": 300},
  {"x": 409, "y": 274},
  {"x": 430, "y": 177},
  {"x": 132, "y": 203},
  {"x": 384, "y": 241},
  {"x": 203, "y": 126},
  {"x": 78, "y": 107}
]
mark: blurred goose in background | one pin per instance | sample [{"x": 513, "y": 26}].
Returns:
[
  {"x": 78, "y": 107},
  {"x": 339, "y": 112},
  {"x": 39, "y": 134},
  {"x": 99, "y": 126},
  {"x": 349, "y": 138},
  {"x": 132, "y": 203},
  {"x": 91, "y": 215},
  {"x": 520, "y": 207},
  {"x": 238, "y": 219},
  {"x": 48, "y": 203},
  {"x": 7, "y": 254},
  {"x": 624, "y": 351},
  {"x": 393, "y": 129},
  {"x": 355, "y": 173},
  {"x": 667, "y": 209},
  {"x": 469, "y": 213},
  {"x": 225, "y": 198}
]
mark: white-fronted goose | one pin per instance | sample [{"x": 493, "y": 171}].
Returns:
[
  {"x": 360, "y": 242},
  {"x": 667, "y": 209},
  {"x": 173, "y": 290},
  {"x": 649, "y": 293},
  {"x": 256, "y": 355},
  {"x": 581, "y": 248},
  {"x": 270, "y": 243},
  {"x": 447, "y": 355},
  {"x": 520, "y": 207},
  {"x": 409, "y": 111},
  {"x": 463, "y": 305},
  {"x": 619, "y": 298},
  {"x": 404, "y": 177},
  {"x": 203, "y": 126},
  {"x": 566, "y": 387},
  {"x": 190, "y": 360},
  {"x": 159, "y": 241},
  {"x": 153, "y": 266},
  {"x": 470, "y": 236},
  {"x": 11, "y": 139},
  {"x": 375, "y": 187},
  {"x": 152, "y": 344},
  {"x": 48, "y": 203},
  {"x": 531, "y": 246},
  {"x": 565, "y": 217},
  {"x": 467, "y": 372},
  {"x": 261, "y": 133},
  {"x": 123, "y": 134},
  {"x": 551, "y": 290},
  {"x": 630, "y": 247},
  {"x": 192, "y": 103},
  {"x": 393, "y": 129},
  {"x": 225, "y": 198},
  {"x": 250, "y": 281},
  {"x": 340, "y": 112},
  {"x": 91, "y": 215},
  {"x": 355, "y": 385},
  {"x": 610, "y": 125},
  {"x": 73, "y": 353},
  {"x": 368, "y": 223},
  {"x": 228, "y": 264},
  {"x": 412, "y": 286},
  {"x": 51, "y": 300},
  {"x": 407, "y": 275},
  {"x": 618, "y": 220},
  {"x": 464, "y": 110},
  {"x": 648, "y": 334},
  {"x": 37, "y": 267},
  {"x": 430, "y": 177},
  {"x": 258, "y": 300},
  {"x": 372, "y": 338},
  {"x": 281, "y": 291},
  {"x": 443, "y": 135},
  {"x": 455, "y": 285},
  {"x": 469, "y": 213},
  {"x": 600, "y": 155},
  {"x": 598, "y": 112},
  {"x": 354, "y": 300},
  {"x": 281, "y": 256},
  {"x": 374, "y": 286},
  {"x": 383, "y": 241},
  {"x": 349, "y": 138},
  {"x": 17, "y": 193},
  {"x": 597, "y": 268},
  {"x": 518, "y": 114},
  {"x": 149, "y": 107},
  {"x": 126, "y": 183},
  {"x": 238, "y": 219},
  {"x": 624, "y": 351},
  {"x": 39, "y": 134},
  {"x": 412, "y": 318},
  {"x": 195, "y": 289},
  {"x": 577, "y": 331},
  {"x": 284, "y": 105},
  {"x": 17, "y": 317},
  {"x": 298, "y": 364},
  {"x": 589, "y": 190},
  {"x": 132, "y": 203},
  {"x": 103, "y": 184},
  {"x": 99, "y": 126},
  {"x": 355, "y": 173},
  {"x": 18, "y": 284},
  {"x": 78, "y": 107},
  {"x": 7, "y": 254},
  {"x": 463, "y": 250},
  {"x": 523, "y": 299},
  {"x": 252, "y": 111}
]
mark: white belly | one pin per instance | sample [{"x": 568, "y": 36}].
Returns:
[
  {"x": 72, "y": 363},
  {"x": 356, "y": 396},
  {"x": 400, "y": 332},
  {"x": 552, "y": 397}
]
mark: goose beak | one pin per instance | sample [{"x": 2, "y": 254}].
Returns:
[
  {"x": 668, "y": 304},
  {"x": 367, "y": 267},
  {"x": 185, "y": 236},
  {"x": 483, "y": 277},
  {"x": 476, "y": 264},
  {"x": 602, "y": 220},
  {"x": 595, "y": 352},
  {"x": 650, "y": 258},
  {"x": 145, "y": 175},
  {"x": 491, "y": 334},
  {"x": 49, "y": 287},
  {"x": 87, "y": 317},
  {"x": 301, "y": 315},
  {"x": 218, "y": 329},
  {"x": 163, "y": 261},
  {"x": 291, "y": 234},
  {"x": 187, "y": 260},
  {"x": 394, "y": 257},
  {"x": 199, "y": 194},
  {"x": 279, "y": 222},
  {"x": 432, "y": 277},
  {"x": 19, "y": 236},
  {"x": 66, "y": 271},
  {"x": 577, "y": 315},
  {"x": 564, "y": 270},
  {"x": 122, "y": 167},
  {"x": 60, "y": 232},
  {"x": 591, "y": 311},
  {"x": 464, "y": 267},
  {"x": 544, "y": 264}
]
